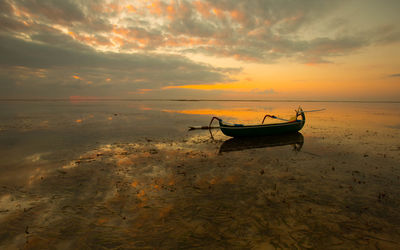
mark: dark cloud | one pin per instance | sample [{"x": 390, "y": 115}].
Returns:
[
  {"x": 394, "y": 75},
  {"x": 192, "y": 27},
  {"x": 5, "y": 7},
  {"x": 17, "y": 52},
  {"x": 42, "y": 67},
  {"x": 58, "y": 11},
  {"x": 316, "y": 50},
  {"x": 386, "y": 34}
]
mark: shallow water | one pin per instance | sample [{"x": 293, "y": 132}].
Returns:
[{"x": 129, "y": 174}]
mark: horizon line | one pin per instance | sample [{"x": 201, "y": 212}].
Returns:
[{"x": 193, "y": 100}]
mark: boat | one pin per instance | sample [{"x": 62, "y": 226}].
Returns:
[
  {"x": 240, "y": 130},
  {"x": 244, "y": 143}
]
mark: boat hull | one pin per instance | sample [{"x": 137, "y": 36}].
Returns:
[
  {"x": 262, "y": 130},
  {"x": 237, "y": 130}
]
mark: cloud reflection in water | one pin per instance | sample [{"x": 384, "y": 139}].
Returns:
[{"x": 180, "y": 194}]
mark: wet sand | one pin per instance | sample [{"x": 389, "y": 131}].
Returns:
[{"x": 334, "y": 186}]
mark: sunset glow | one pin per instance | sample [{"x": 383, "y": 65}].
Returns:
[
  {"x": 201, "y": 49},
  {"x": 206, "y": 124},
  {"x": 232, "y": 114}
]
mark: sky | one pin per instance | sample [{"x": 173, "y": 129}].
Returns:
[{"x": 201, "y": 49}]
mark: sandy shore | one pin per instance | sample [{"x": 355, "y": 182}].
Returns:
[{"x": 188, "y": 194}]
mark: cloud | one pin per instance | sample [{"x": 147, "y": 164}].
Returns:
[
  {"x": 263, "y": 31},
  {"x": 394, "y": 75},
  {"x": 145, "y": 44},
  {"x": 60, "y": 69},
  {"x": 187, "y": 93},
  {"x": 265, "y": 92},
  {"x": 59, "y": 11}
]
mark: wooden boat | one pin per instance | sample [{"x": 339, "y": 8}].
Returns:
[
  {"x": 241, "y": 130},
  {"x": 244, "y": 143}
]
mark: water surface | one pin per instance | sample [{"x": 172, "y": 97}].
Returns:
[{"x": 129, "y": 174}]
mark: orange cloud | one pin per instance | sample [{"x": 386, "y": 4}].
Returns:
[
  {"x": 218, "y": 12},
  {"x": 185, "y": 41},
  {"x": 143, "y": 42},
  {"x": 90, "y": 40},
  {"x": 111, "y": 7},
  {"x": 171, "y": 9},
  {"x": 155, "y": 8},
  {"x": 245, "y": 58},
  {"x": 237, "y": 15},
  {"x": 16, "y": 11},
  {"x": 130, "y": 8},
  {"x": 120, "y": 31},
  {"x": 140, "y": 37},
  {"x": 293, "y": 18},
  {"x": 202, "y": 8},
  {"x": 206, "y": 9},
  {"x": 118, "y": 41}
]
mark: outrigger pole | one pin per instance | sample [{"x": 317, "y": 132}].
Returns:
[{"x": 271, "y": 116}]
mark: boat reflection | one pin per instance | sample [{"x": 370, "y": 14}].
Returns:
[{"x": 239, "y": 144}]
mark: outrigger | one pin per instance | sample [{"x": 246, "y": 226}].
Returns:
[{"x": 240, "y": 130}]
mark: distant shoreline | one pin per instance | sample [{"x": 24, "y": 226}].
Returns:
[{"x": 180, "y": 100}]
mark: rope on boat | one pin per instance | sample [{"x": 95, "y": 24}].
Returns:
[
  {"x": 294, "y": 118},
  {"x": 212, "y": 119},
  {"x": 209, "y": 126},
  {"x": 273, "y": 117}
]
